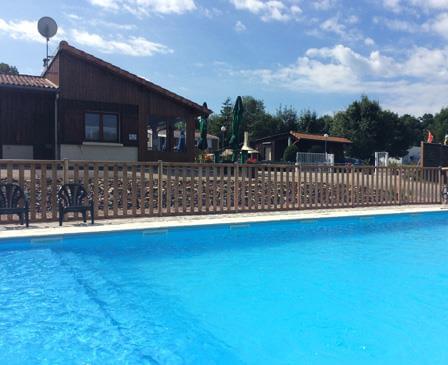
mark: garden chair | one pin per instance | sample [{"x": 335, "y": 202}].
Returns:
[
  {"x": 13, "y": 201},
  {"x": 71, "y": 199}
]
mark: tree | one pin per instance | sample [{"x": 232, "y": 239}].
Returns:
[
  {"x": 288, "y": 117},
  {"x": 256, "y": 120},
  {"x": 439, "y": 126},
  {"x": 415, "y": 129},
  {"x": 372, "y": 129},
  {"x": 309, "y": 122},
  {"x": 8, "y": 69},
  {"x": 290, "y": 153},
  {"x": 224, "y": 118}
]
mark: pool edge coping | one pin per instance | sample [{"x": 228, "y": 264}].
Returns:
[{"x": 211, "y": 220}]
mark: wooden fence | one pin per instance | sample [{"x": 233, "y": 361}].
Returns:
[{"x": 146, "y": 189}]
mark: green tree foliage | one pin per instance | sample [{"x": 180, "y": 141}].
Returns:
[
  {"x": 256, "y": 120},
  {"x": 372, "y": 129},
  {"x": 223, "y": 119},
  {"x": 309, "y": 122},
  {"x": 415, "y": 129},
  {"x": 290, "y": 153},
  {"x": 287, "y": 118},
  {"x": 439, "y": 125},
  {"x": 8, "y": 69}
]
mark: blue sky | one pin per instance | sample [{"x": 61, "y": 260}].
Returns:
[{"x": 310, "y": 54}]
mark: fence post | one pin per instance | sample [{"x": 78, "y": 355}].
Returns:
[
  {"x": 400, "y": 172},
  {"x": 236, "y": 192},
  {"x": 159, "y": 187},
  {"x": 352, "y": 193},
  {"x": 65, "y": 169},
  {"x": 299, "y": 186}
]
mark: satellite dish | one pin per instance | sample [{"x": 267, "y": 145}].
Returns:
[{"x": 48, "y": 28}]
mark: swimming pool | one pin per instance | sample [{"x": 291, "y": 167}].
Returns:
[{"x": 371, "y": 290}]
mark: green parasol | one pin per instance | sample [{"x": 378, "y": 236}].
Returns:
[
  {"x": 236, "y": 122},
  {"x": 202, "y": 143}
]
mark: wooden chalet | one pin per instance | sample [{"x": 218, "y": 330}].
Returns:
[
  {"x": 271, "y": 148},
  {"x": 84, "y": 108}
]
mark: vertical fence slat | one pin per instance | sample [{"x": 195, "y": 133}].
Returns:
[
  {"x": 229, "y": 189},
  {"x": 208, "y": 197},
  {"x": 115, "y": 194},
  {"x": 33, "y": 191},
  {"x": 184, "y": 190},
  {"x": 199, "y": 190},
  {"x": 160, "y": 188},
  {"x": 134, "y": 186},
  {"x": 106, "y": 190},
  {"x": 150, "y": 189},
  {"x": 293, "y": 188},
  {"x": 125, "y": 190},
  {"x": 43, "y": 191},
  {"x": 168, "y": 189},
  {"x": 236, "y": 188},
  {"x": 221, "y": 188},
  {"x": 142, "y": 190},
  {"x": 95, "y": 189},
  {"x": 54, "y": 190},
  {"x": 176, "y": 190}
]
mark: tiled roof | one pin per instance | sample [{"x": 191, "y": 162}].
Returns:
[
  {"x": 319, "y": 137},
  {"x": 26, "y": 81},
  {"x": 64, "y": 46}
]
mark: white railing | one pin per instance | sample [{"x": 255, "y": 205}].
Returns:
[{"x": 306, "y": 158}]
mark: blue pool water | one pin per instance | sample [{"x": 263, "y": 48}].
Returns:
[{"x": 336, "y": 291}]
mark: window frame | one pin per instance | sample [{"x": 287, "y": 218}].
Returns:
[{"x": 101, "y": 126}]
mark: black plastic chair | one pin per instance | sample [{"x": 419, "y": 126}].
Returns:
[
  {"x": 71, "y": 200},
  {"x": 11, "y": 195}
]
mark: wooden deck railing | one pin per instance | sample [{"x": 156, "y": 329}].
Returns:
[{"x": 145, "y": 189}]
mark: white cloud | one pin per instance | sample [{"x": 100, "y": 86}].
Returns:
[
  {"x": 438, "y": 25},
  {"x": 398, "y": 24},
  {"x": 25, "y": 30},
  {"x": 346, "y": 31},
  {"x": 369, "y": 41},
  {"x": 146, "y": 7},
  {"x": 109, "y": 4},
  {"x": 398, "y": 5},
  {"x": 323, "y": 4},
  {"x": 430, "y": 4},
  {"x": 270, "y": 10},
  {"x": 410, "y": 85},
  {"x": 21, "y": 29},
  {"x": 334, "y": 26},
  {"x": 132, "y": 46},
  {"x": 392, "y": 4},
  {"x": 239, "y": 26}
]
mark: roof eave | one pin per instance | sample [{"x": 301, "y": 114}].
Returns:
[{"x": 30, "y": 88}]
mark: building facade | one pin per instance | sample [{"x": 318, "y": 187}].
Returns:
[{"x": 84, "y": 108}]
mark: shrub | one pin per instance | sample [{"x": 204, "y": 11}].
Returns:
[{"x": 290, "y": 153}]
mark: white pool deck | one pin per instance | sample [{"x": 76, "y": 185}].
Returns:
[{"x": 103, "y": 226}]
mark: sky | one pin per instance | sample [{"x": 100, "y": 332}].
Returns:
[{"x": 309, "y": 54}]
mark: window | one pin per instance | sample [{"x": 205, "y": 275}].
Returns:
[
  {"x": 101, "y": 127},
  {"x": 167, "y": 134},
  {"x": 92, "y": 122},
  {"x": 157, "y": 132}
]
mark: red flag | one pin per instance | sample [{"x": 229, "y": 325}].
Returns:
[{"x": 430, "y": 137}]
